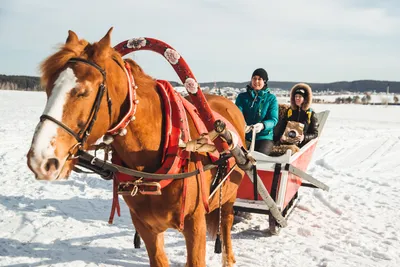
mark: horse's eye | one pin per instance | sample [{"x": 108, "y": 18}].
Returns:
[
  {"x": 81, "y": 124},
  {"x": 80, "y": 92}
]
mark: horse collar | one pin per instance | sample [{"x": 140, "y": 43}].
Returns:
[
  {"x": 176, "y": 127},
  {"x": 120, "y": 128}
]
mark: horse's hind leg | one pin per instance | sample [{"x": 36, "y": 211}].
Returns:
[
  {"x": 195, "y": 236},
  {"x": 228, "y": 258},
  {"x": 154, "y": 243}
]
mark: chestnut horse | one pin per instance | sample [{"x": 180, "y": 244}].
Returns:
[{"x": 72, "y": 88}]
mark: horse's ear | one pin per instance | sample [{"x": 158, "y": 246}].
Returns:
[
  {"x": 72, "y": 37},
  {"x": 106, "y": 40}
]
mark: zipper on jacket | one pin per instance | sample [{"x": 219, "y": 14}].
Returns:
[
  {"x": 298, "y": 116},
  {"x": 255, "y": 98}
]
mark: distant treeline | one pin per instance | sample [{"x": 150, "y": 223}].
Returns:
[
  {"x": 354, "y": 86},
  {"x": 29, "y": 83},
  {"x": 22, "y": 83}
]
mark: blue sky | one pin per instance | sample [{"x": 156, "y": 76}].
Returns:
[{"x": 225, "y": 40}]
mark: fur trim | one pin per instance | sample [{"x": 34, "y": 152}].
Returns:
[
  {"x": 283, "y": 108},
  {"x": 307, "y": 100},
  {"x": 279, "y": 150}
]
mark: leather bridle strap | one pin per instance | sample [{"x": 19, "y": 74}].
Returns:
[
  {"x": 84, "y": 133},
  {"x": 102, "y": 87},
  {"x": 94, "y": 111},
  {"x": 59, "y": 123},
  {"x": 88, "y": 126},
  {"x": 91, "y": 63},
  {"x": 106, "y": 169}
]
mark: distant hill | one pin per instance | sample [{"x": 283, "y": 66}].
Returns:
[
  {"x": 17, "y": 82},
  {"x": 354, "y": 86},
  {"x": 30, "y": 83}
]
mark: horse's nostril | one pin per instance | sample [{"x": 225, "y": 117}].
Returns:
[{"x": 52, "y": 164}]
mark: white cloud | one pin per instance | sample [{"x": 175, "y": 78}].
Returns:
[{"x": 221, "y": 40}]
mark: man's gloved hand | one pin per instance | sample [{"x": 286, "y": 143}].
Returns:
[
  {"x": 258, "y": 127},
  {"x": 248, "y": 128}
]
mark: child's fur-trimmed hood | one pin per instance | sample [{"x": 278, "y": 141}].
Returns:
[{"x": 307, "y": 98}]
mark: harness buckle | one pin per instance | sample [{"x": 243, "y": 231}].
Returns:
[
  {"x": 150, "y": 188},
  {"x": 73, "y": 150},
  {"x": 134, "y": 190},
  {"x": 139, "y": 186}
]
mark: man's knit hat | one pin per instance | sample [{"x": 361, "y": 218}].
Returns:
[{"x": 262, "y": 73}]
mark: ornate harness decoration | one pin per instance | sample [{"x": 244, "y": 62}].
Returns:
[{"x": 175, "y": 158}]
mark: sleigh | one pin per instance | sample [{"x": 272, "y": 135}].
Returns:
[
  {"x": 282, "y": 177},
  {"x": 157, "y": 139}
]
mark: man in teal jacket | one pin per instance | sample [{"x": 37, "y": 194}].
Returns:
[{"x": 260, "y": 109}]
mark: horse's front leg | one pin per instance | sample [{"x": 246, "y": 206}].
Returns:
[
  {"x": 228, "y": 258},
  {"x": 154, "y": 243},
  {"x": 195, "y": 236}
]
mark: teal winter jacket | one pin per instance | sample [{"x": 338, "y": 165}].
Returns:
[{"x": 259, "y": 106}]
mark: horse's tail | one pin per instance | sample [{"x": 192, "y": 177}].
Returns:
[{"x": 212, "y": 219}]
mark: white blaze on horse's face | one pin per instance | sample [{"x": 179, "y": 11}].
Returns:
[{"x": 42, "y": 158}]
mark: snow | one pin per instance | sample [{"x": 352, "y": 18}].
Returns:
[
  {"x": 376, "y": 98},
  {"x": 356, "y": 223}
]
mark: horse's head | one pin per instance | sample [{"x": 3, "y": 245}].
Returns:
[{"x": 76, "y": 79}]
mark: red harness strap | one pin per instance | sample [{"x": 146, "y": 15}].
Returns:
[
  {"x": 176, "y": 127},
  {"x": 132, "y": 103},
  {"x": 201, "y": 128},
  {"x": 184, "y": 192},
  {"x": 204, "y": 195},
  {"x": 115, "y": 203},
  {"x": 174, "y": 159}
]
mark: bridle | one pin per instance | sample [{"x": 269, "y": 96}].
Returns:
[
  {"x": 83, "y": 134},
  {"x": 105, "y": 169}
]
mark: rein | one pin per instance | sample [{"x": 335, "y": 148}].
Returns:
[{"x": 107, "y": 170}]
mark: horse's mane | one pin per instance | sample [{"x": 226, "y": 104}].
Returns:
[
  {"x": 51, "y": 65},
  {"x": 55, "y": 62},
  {"x": 140, "y": 76}
]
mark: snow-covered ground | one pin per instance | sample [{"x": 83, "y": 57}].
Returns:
[
  {"x": 377, "y": 98},
  {"x": 356, "y": 223}
]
